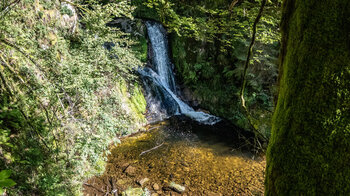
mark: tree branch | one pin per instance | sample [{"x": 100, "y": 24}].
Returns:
[
  {"x": 244, "y": 78},
  {"x": 232, "y": 5}
]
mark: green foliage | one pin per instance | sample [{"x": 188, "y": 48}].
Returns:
[
  {"x": 209, "y": 43},
  {"x": 5, "y": 181},
  {"x": 66, "y": 10},
  {"x": 64, "y": 97}
]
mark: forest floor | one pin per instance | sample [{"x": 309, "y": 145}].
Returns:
[{"x": 166, "y": 161}]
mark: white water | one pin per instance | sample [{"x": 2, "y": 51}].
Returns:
[
  {"x": 160, "y": 55},
  {"x": 162, "y": 77}
]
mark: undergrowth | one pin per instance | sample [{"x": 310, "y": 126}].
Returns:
[{"x": 64, "y": 97}]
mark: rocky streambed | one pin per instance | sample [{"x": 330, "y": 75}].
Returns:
[{"x": 179, "y": 157}]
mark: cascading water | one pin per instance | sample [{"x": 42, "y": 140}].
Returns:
[{"x": 160, "y": 84}]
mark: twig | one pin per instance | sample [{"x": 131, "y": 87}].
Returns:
[
  {"x": 144, "y": 152},
  {"x": 153, "y": 128}
]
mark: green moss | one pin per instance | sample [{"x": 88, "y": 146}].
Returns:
[
  {"x": 140, "y": 48},
  {"x": 308, "y": 151},
  {"x": 134, "y": 100},
  {"x": 138, "y": 101}
]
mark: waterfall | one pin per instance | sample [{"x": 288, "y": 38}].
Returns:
[{"x": 160, "y": 83}]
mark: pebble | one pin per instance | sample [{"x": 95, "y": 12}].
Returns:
[
  {"x": 130, "y": 170},
  {"x": 143, "y": 181},
  {"x": 156, "y": 187}
]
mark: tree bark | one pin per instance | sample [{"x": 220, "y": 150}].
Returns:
[{"x": 309, "y": 150}]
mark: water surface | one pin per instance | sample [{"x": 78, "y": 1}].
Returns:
[{"x": 199, "y": 157}]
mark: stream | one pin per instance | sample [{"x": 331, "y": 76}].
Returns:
[{"x": 182, "y": 151}]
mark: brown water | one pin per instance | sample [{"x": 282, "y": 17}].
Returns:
[{"x": 205, "y": 163}]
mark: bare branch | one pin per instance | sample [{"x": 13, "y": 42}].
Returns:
[
  {"x": 144, "y": 152},
  {"x": 244, "y": 79}
]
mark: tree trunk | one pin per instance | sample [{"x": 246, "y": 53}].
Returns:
[{"x": 309, "y": 150}]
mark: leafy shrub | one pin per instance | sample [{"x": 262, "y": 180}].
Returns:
[{"x": 64, "y": 97}]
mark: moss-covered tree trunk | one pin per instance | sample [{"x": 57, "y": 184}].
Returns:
[{"x": 309, "y": 151}]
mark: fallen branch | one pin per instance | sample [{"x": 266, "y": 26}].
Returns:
[
  {"x": 153, "y": 128},
  {"x": 144, "y": 152}
]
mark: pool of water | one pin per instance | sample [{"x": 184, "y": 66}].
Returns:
[{"x": 206, "y": 160}]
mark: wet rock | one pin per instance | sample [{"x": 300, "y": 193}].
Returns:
[
  {"x": 136, "y": 192},
  {"x": 142, "y": 181},
  {"x": 130, "y": 170},
  {"x": 133, "y": 192},
  {"x": 176, "y": 187},
  {"x": 156, "y": 187}
]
